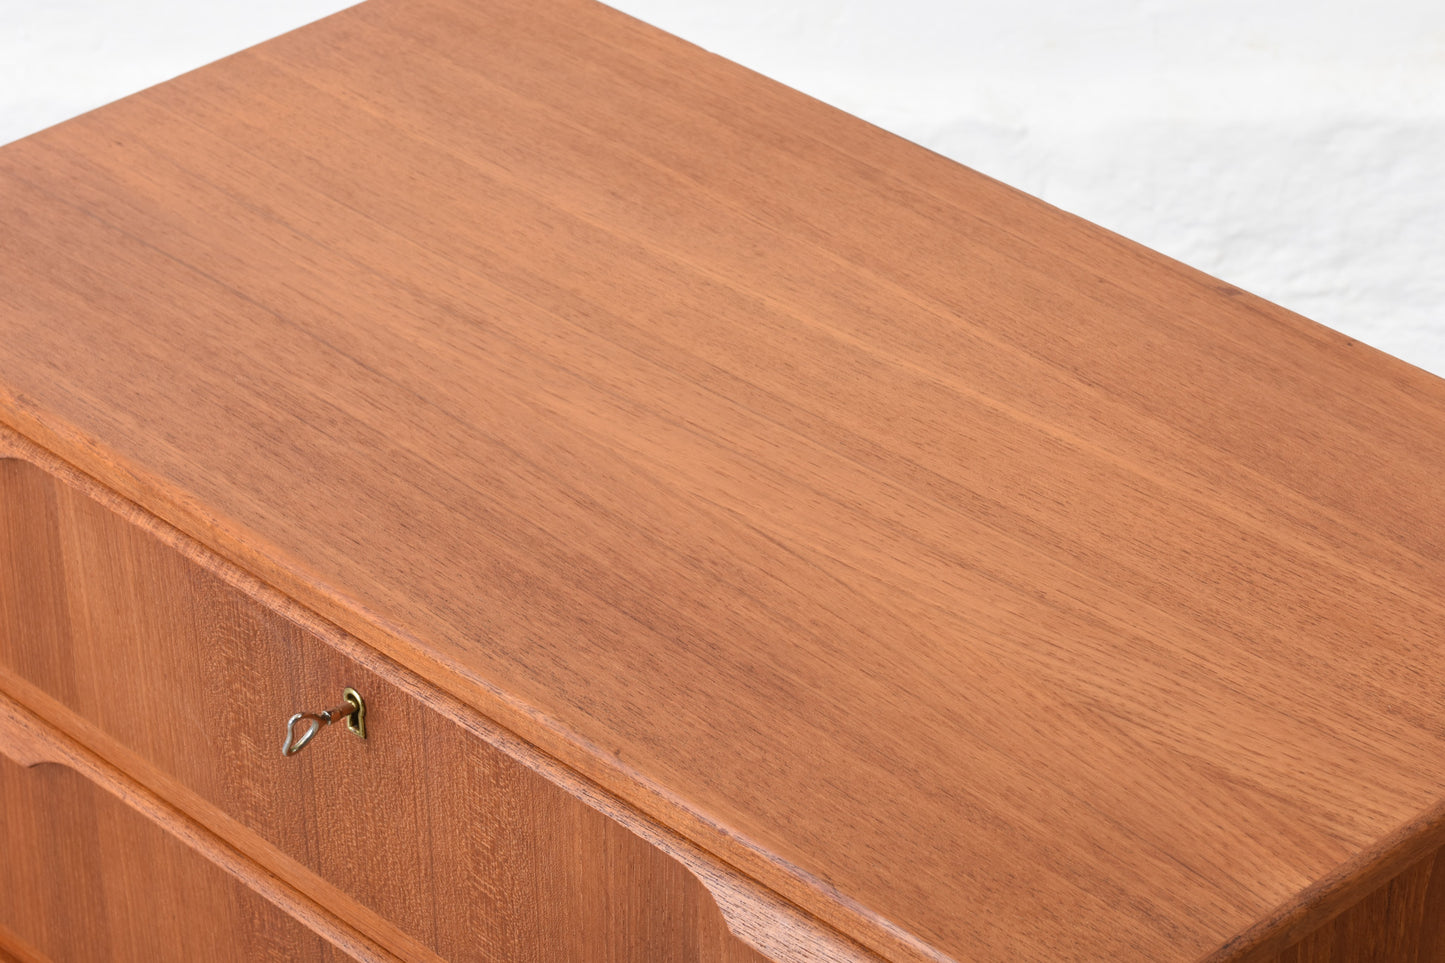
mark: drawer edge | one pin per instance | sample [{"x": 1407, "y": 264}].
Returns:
[
  {"x": 28, "y": 740},
  {"x": 755, "y": 914}
]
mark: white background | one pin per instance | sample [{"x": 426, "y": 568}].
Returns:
[{"x": 1295, "y": 148}]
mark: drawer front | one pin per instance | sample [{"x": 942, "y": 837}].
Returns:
[
  {"x": 91, "y": 872},
  {"x": 437, "y": 831}
]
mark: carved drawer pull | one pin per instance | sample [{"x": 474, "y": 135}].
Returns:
[{"x": 352, "y": 709}]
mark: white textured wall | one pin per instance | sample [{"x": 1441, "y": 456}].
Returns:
[
  {"x": 59, "y": 58},
  {"x": 1295, "y": 148}
]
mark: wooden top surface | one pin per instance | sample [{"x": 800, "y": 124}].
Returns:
[{"x": 989, "y": 586}]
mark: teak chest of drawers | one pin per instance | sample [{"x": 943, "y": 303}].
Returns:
[{"x": 751, "y": 538}]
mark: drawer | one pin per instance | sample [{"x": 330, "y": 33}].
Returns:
[
  {"x": 430, "y": 824},
  {"x": 95, "y": 869}
]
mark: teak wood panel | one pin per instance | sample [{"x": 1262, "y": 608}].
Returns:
[
  {"x": 1401, "y": 922},
  {"x": 86, "y": 876},
  {"x": 83, "y": 878},
  {"x": 982, "y": 583},
  {"x": 470, "y": 854}
]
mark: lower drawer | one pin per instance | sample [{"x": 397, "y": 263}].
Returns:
[{"x": 95, "y": 870}]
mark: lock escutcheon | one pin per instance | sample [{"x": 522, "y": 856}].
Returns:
[{"x": 352, "y": 709}]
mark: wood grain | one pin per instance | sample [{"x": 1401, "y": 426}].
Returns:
[
  {"x": 15, "y": 950},
  {"x": 94, "y": 869},
  {"x": 983, "y": 584},
  {"x": 1401, "y": 922},
  {"x": 433, "y": 828}
]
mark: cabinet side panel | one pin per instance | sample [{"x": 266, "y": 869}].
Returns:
[{"x": 1402, "y": 921}]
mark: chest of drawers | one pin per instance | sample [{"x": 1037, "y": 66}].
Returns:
[{"x": 751, "y": 537}]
